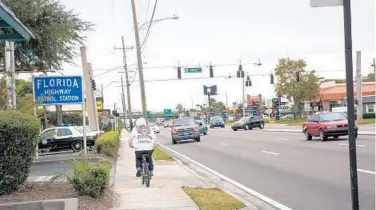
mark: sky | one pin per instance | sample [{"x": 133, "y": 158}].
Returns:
[{"x": 224, "y": 33}]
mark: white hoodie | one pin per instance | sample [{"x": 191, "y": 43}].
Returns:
[{"x": 142, "y": 138}]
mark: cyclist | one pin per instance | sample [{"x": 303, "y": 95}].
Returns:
[{"x": 142, "y": 140}]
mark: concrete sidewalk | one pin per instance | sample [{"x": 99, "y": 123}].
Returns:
[{"x": 165, "y": 189}]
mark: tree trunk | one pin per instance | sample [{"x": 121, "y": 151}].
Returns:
[{"x": 59, "y": 114}]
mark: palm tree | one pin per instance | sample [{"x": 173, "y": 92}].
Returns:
[{"x": 179, "y": 108}]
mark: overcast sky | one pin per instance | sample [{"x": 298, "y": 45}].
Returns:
[{"x": 221, "y": 32}]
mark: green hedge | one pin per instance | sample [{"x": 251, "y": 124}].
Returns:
[
  {"x": 18, "y": 138},
  {"x": 90, "y": 179},
  {"x": 108, "y": 143},
  {"x": 368, "y": 115}
]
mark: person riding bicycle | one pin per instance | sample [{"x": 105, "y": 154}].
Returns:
[{"x": 142, "y": 140}]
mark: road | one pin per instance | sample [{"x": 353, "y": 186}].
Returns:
[{"x": 300, "y": 174}]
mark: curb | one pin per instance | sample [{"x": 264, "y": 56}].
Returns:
[
  {"x": 247, "y": 190},
  {"x": 68, "y": 159},
  {"x": 299, "y": 131}
]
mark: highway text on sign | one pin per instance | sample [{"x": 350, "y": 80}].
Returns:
[{"x": 54, "y": 90}]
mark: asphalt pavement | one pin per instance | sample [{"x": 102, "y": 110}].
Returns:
[{"x": 300, "y": 174}]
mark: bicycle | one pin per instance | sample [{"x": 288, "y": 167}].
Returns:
[{"x": 145, "y": 174}]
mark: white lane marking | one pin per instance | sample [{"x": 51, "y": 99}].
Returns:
[
  {"x": 224, "y": 144},
  {"x": 246, "y": 189},
  {"x": 270, "y": 153},
  {"x": 344, "y": 144},
  {"x": 284, "y": 139},
  {"x": 366, "y": 171}
]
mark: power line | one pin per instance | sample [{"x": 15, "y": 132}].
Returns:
[
  {"x": 108, "y": 71},
  {"x": 150, "y": 23}
]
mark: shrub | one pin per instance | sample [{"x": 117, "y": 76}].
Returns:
[
  {"x": 19, "y": 135},
  {"x": 368, "y": 115},
  {"x": 90, "y": 179},
  {"x": 108, "y": 143}
]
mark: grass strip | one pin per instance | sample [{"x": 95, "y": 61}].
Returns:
[
  {"x": 365, "y": 121},
  {"x": 159, "y": 154},
  {"x": 213, "y": 198}
]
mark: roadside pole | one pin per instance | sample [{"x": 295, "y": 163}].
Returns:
[
  {"x": 243, "y": 94},
  {"x": 123, "y": 102},
  {"x": 350, "y": 104},
  {"x": 35, "y": 108},
  {"x": 96, "y": 120},
  {"x": 83, "y": 125},
  {"x": 139, "y": 61},
  {"x": 359, "y": 85}
]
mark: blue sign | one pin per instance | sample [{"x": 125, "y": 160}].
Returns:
[{"x": 58, "y": 90}]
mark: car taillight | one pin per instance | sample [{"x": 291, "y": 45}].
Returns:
[
  {"x": 173, "y": 130},
  {"x": 196, "y": 128}
]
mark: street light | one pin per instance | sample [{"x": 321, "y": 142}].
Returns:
[{"x": 141, "y": 27}]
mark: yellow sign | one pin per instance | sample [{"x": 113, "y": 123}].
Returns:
[{"x": 99, "y": 105}]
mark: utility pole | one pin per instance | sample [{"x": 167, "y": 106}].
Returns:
[
  {"x": 374, "y": 66},
  {"x": 123, "y": 48},
  {"x": 243, "y": 91},
  {"x": 96, "y": 120},
  {"x": 103, "y": 99},
  {"x": 123, "y": 102},
  {"x": 359, "y": 85},
  {"x": 139, "y": 61},
  {"x": 88, "y": 89}
]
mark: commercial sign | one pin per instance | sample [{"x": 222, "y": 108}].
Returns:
[
  {"x": 99, "y": 102},
  {"x": 58, "y": 90}
]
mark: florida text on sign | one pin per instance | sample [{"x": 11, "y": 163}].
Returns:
[{"x": 58, "y": 90}]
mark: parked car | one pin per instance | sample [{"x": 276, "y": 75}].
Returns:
[
  {"x": 249, "y": 123},
  {"x": 167, "y": 124},
  {"x": 154, "y": 127},
  {"x": 71, "y": 137},
  {"x": 326, "y": 124},
  {"x": 217, "y": 121},
  {"x": 185, "y": 129},
  {"x": 203, "y": 127}
]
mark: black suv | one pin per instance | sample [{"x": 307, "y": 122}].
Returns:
[{"x": 249, "y": 123}]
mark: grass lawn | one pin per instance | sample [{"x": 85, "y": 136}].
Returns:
[
  {"x": 366, "y": 121},
  {"x": 159, "y": 154},
  {"x": 213, "y": 198}
]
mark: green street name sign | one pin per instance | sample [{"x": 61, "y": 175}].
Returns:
[
  {"x": 193, "y": 70},
  {"x": 167, "y": 111},
  {"x": 148, "y": 114}
]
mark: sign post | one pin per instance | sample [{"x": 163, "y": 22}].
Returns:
[{"x": 60, "y": 90}]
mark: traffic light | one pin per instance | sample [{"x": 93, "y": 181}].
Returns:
[
  {"x": 297, "y": 75},
  {"x": 93, "y": 84},
  {"x": 115, "y": 113},
  {"x": 271, "y": 79},
  {"x": 179, "y": 72},
  {"x": 240, "y": 72},
  {"x": 211, "y": 71},
  {"x": 248, "y": 83}
]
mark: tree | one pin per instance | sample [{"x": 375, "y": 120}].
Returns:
[
  {"x": 179, "y": 108},
  {"x": 369, "y": 78},
  {"x": 306, "y": 89},
  {"x": 217, "y": 105},
  {"x": 57, "y": 31},
  {"x": 24, "y": 96}
]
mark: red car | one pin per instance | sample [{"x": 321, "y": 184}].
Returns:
[{"x": 327, "y": 124}]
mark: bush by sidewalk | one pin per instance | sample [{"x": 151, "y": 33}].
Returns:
[
  {"x": 108, "y": 143},
  {"x": 18, "y": 138},
  {"x": 90, "y": 179}
]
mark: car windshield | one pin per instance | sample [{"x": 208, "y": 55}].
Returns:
[
  {"x": 183, "y": 122},
  {"x": 152, "y": 125},
  {"x": 332, "y": 117},
  {"x": 243, "y": 119},
  {"x": 217, "y": 118}
]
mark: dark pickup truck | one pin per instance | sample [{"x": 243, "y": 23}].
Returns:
[{"x": 248, "y": 123}]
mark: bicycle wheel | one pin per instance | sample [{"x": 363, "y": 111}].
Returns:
[
  {"x": 147, "y": 175},
  {"x": 142, "y": 174}
]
